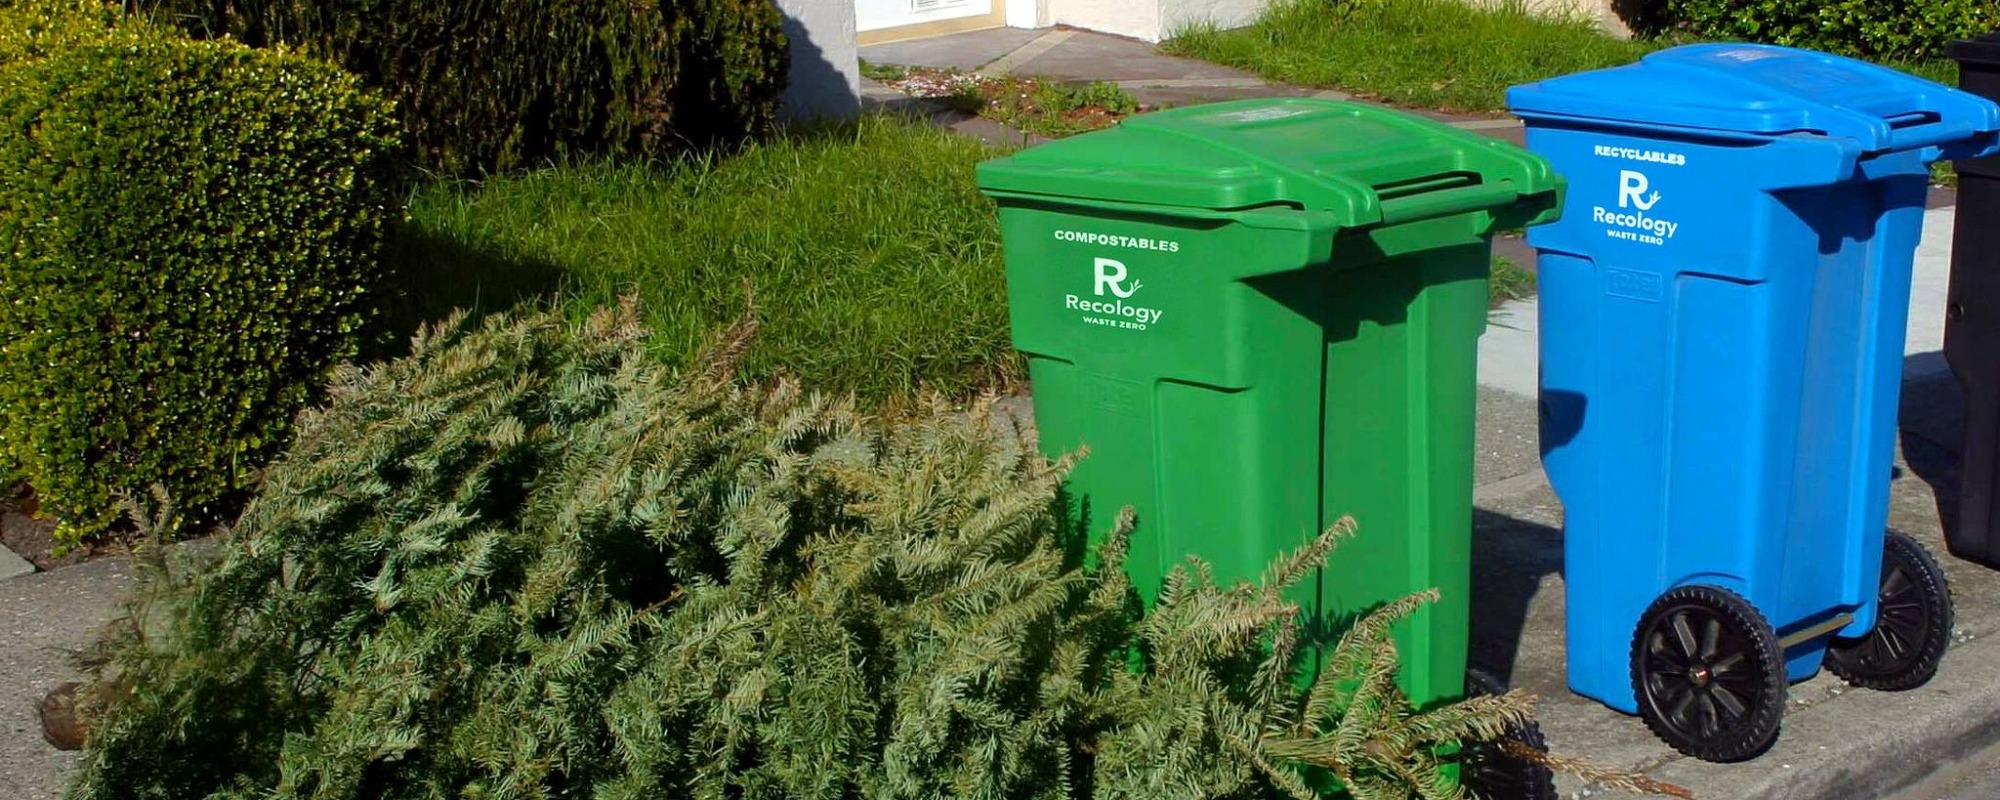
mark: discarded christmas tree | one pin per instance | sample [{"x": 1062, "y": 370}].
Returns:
[{"x": 528, "y": 562}]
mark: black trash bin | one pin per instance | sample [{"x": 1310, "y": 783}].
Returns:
[{"x": 1972, "y": 322}]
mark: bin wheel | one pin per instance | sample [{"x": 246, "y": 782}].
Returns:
[
  {"x": 1912, "y": 623},
  {"x": 1488, "y": 772},
  {"x": 1708, "y": 673}
]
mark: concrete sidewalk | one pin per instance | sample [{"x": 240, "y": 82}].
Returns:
[{"x": 45, "y": 619}]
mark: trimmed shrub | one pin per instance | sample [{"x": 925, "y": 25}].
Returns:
[
  {"x": 193, "y": 233},
  {"x": 529, "y": 562},
  {"x": 498, "y": 86},
  {"x": 1877, "y": 29},
  {"x": 36, "y": 28}
]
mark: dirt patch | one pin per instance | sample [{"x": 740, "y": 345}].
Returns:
[
  {"x": 34, "y": 539},
  {"x": 1040, "y": 106}
]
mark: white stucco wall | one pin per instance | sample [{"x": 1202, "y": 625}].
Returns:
[
  {"x": 1139, "y": 19},
  {"x": 826, "y": 68},
  {"x": 1176, "y": 14},
  {"x": 875, "y": 16},
  {"x": 1603, "y": 12},
  {"x": 1150, "y": 20}
]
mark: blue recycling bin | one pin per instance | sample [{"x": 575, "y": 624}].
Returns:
[{"x": 1723, "y": 307}]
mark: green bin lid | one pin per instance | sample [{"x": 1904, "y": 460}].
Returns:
[{"x": 1365, "y": 164}]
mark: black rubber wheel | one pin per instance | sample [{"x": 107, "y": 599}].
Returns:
[
  {"x": 1489, "y": 772},
  {"x": 1912, "y": 623},
  {"x": 1708, "y": 673}
]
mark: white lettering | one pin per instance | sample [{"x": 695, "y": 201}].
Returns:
[
  {"x": 1659, "y": 229},
  {"x": 1111, "y": 240},
  {"x": 1632, "y": 190},
  {"x": 1111, "y": 275},
  {"x": 1635, "y": 154}
]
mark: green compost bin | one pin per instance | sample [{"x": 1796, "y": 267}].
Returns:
[{"x": 1260, "y": 316}]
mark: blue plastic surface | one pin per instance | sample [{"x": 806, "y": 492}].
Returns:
[
  {"x": 1763, "y": 90},
  {"x": 1723, "y": 306}
]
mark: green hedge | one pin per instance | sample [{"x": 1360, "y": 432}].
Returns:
[
  {"x": 36, "y": 28},
  {"x": 501, "y": 85},
  {"x": 1881, "y": 29},
  {"x": 194, "y": 232}
]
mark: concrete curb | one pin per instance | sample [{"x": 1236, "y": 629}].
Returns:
[
  {"x": 1867, "y": 745},
  {"x": 12, "y": 565}
]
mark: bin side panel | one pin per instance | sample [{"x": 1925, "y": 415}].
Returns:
[
  {"x": 1235, "y": 469},
  {"x": 1401, "y": 345},
  {"x": 1724, "y": 499},
  {"x": 1661, "y": 205},
  {"x": 1136, "y": 293},
  {"x": 1972, "y": 346},
  {"x": 1195, "y": 394},
  {"x": 1850, "y": 319},
  {"x": 1829, "y": 351},
  {"x": 1604, "y": 390},
  {"x": 1891, "y": 271}
]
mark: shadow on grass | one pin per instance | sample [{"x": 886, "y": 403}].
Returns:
[{"x": 431, "y": 275}]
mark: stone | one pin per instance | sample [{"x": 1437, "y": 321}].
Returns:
[{"x": 60, "y": 724}]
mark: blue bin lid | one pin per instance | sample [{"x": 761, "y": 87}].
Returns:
[{"x": 1764, "y": 90}]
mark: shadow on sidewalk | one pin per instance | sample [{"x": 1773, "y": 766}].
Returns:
[
  {"x": 1512, "y": 561},
  {"x": 1929, "y": 425}
]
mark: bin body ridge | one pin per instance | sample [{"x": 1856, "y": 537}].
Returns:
[{"x": 1213, "y": 421}]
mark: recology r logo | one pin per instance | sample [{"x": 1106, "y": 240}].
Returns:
[
  {"x": 1111, "y": 275},
  {"x": 1636, "y": 197},
  {"x": 1111, "y": 278}
]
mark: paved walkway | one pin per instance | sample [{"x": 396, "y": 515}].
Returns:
[
  {"x": 45, "y": 619},
  {"x": 1154, "y": 79}
]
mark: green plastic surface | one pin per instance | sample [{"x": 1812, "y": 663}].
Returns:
[
  {"x": 1364, "y": 164},
  {"x": 1260, "y": 316}
]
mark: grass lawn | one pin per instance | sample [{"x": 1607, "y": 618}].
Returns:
[
  {"x": 1510, "y": 281},
  {"x": 1443, "y": 54},
  {"x": 874, "y": 261}
]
